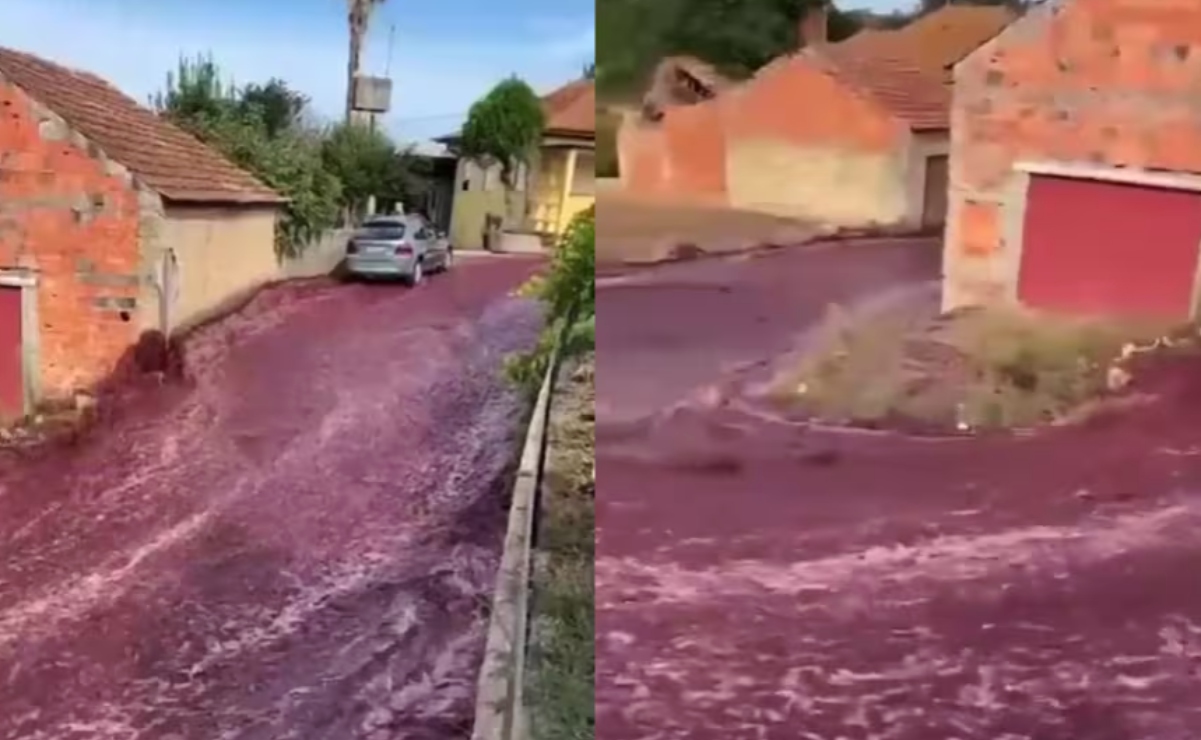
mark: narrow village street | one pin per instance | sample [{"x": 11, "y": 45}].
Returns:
[
  {"x": 299, "y": 543},
  {"x": 759, "y": 578}
]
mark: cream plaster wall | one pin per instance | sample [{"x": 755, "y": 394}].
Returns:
[
  {"x": 823, "y": 183},
  {"x": 222, "y": 252}
]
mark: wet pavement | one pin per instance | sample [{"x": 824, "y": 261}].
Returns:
[
  {"x": 757, "y": 578},
  {"x": 299, "y": 542}
]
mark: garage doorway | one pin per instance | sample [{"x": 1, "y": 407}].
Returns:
[
  {"x": 1115, "y": 249},
  {"x": 934, "y": 195},
  {"x": 12, "y": 363}
]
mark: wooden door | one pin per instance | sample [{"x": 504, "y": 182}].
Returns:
[{"x": 934, "y": 196}]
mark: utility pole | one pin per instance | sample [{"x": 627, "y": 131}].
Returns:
[
  {"x": 365, "y": 94},
  {"x": 358, "y": 20}
]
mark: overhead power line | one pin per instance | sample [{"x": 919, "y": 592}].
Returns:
[{"x": 431, "y": 117}]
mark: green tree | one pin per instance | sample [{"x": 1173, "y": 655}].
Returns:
[
  {"x": 736, "y": 37},
  {"x": 278, "y": 106},
  {"x": 369, "y": 164},
  {"x": 504, "y": 128},
  {"x": 195, "y": 91},
  {"x": 240, "y": 126}
]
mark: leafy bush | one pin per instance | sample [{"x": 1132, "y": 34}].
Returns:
[
  {"x": 367, "y": 164},
  {"x": 568, "y": 291},
  {"x": 262, "y": 128},
  {"x": 978, "y": 369},
  {"x": 504, "y": 128},
  {"x": 290, "y": 163}
]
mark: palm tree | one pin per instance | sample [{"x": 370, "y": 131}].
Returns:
[{"x": 359, "y": 19}]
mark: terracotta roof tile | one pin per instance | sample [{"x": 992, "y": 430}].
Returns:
[
  {"x": 571, "y": 109},
  {"x": 907, "y": 70},
  {"x": 938, "y": 39},
  {"x": 917, "y": 98},
  {"x": 944, "y": 37},
  {"x": 162, "y": 156}
]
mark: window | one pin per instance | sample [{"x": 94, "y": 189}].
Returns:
[
  {"x": 474, "y": 176},
  {"x": 584, "y": 180},
  {"x": 381, "y": 230}
]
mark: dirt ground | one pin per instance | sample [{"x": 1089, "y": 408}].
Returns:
[
  {"x": 640, "y": 232},
  {"x": 762, "y": 579},
  {"x": 297, "y": 543}
]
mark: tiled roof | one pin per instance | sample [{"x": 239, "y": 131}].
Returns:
[
  {"x": 161, "y": 155},
  {"x": 571, "y": 109},
  {"x": 907, "y": 70},
  {"x": 915, "y": 97},
  {"x": 938, "y": 40},
  {"x": 944, "y": 37}
]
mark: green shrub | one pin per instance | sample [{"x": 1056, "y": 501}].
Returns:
[
  {"x": 983, "y": 369},
  {"x": 567, "y": 290},
  {"x": 262, "y": 129}
]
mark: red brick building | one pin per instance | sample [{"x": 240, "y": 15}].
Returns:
[
  {"x": 849, "y": 133},
  {"x": 99, "y": 201},
  {"x": 1075, "y": 161}
]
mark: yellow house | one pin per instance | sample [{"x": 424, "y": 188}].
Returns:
[{"x": 561, "y": 184}]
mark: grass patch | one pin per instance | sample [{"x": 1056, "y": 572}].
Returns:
[
  {"x": 562, "y": 690},
  {"x": 978, "y": 369}
]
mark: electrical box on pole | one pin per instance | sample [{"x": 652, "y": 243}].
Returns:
[{"x": 372, "y": 94}]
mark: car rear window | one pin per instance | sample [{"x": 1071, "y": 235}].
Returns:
[{"x": 388, "y": 230}]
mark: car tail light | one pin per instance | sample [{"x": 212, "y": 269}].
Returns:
[
  {"x": 404, "y": 250},
  {"x": 352, "y": 248}
]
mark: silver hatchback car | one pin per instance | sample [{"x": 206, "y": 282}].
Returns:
[{"x": 404, "y": 247}]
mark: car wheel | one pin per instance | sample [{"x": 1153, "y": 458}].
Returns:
[{"x": 417, "y": 276}]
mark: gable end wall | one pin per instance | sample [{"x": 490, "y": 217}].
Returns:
[{"x": 74, "y": 220}]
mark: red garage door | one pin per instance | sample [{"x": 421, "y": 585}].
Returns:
[
  {"x": 1110, "y": 249},
  {"x": 12, "y": 385}
]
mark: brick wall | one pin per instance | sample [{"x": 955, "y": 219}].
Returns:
[
  {"x": 640, "y": 153},
  {"x": 802, "y": 144},
  {"x": 682, "y": 157},
  {"x": 795, "y": 102},
  {"x": 685, "y": 155},
  {"x": 73, "y": 218},
  {"x": 1100, "y": 82},
  {"x": 696, "y": 149}
]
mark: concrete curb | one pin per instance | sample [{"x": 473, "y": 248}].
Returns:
[
  {"x": 611, "y": 271},
  {"x": 499, "y": 702}
]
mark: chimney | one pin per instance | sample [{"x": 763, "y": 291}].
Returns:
[{"x": 814, "y": 27}]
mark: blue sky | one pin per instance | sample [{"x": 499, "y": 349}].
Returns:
[{"x": 446, "y": 52}]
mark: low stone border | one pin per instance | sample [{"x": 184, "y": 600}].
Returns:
[
  {"x": 499, "y": 702},
  {"x": 611, "y": 271}
]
